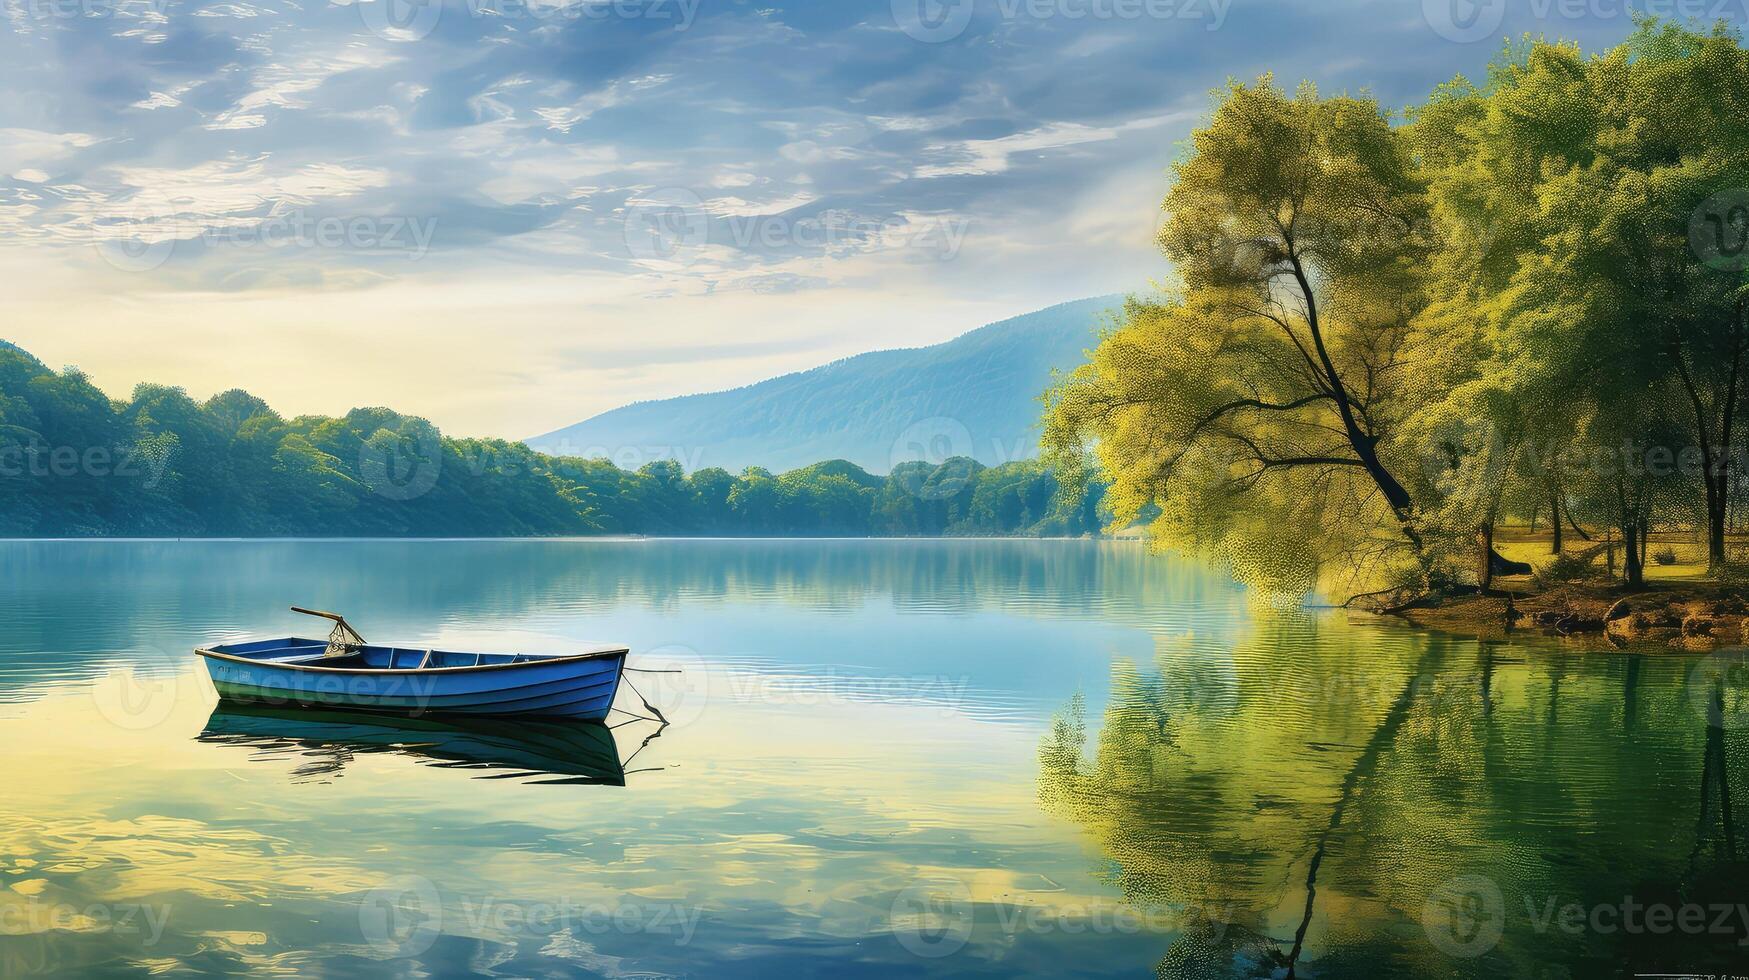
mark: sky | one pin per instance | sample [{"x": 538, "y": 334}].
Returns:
[{"x": 509, "y": 215}]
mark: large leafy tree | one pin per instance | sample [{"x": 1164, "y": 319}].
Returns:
[
  {"x": 1676, "y": 156},
  {"x": 1589, "y": 178},
  {"x": 1263, "y": 392},
  {"x": 1501, "y": 410},
  {"x": 1518, "y": 300}
]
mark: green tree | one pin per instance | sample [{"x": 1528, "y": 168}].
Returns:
[
  {"x": 1261, "y": 393},
  {"x": 755, "y": 500},
  {"x": 710, "y": 488},
  {"x": 1591, "y": 174}
]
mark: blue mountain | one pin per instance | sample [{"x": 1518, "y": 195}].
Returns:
[{"x": 976, "y": 395}]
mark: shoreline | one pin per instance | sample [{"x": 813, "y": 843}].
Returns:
[
  {"x": 1673, "y": 617},
  {"x": 1667, "y": 616}
]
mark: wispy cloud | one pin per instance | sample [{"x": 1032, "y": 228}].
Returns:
[{"x": 673, "y": 167}]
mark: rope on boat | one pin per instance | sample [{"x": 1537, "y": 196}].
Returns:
[
  {"x": 646, "y": 670},
  {"x": 663, "y": 719},
  {"x": 652, "y": 709}
]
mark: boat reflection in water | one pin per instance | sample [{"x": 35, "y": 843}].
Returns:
[{"x": 548, "y": 752}]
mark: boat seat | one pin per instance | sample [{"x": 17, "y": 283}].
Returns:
[{"x": 299, "y": 657}]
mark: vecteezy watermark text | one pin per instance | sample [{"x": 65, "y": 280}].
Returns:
[
  {"x": 35, "y": 917},
  {"x": 405, "y": 917},
  {"x": 300, "y": 229},
  {"x": 146, "y": 232},
  {"x": 1468, "y": 21},
  {"x": 42, "y": 10},
  {"x": 679, "y": 12},
  {"x": 675, "y": 225},
  {"x": 1466, "y": 917},
  {"x": 66, "y": 462},
  {"x": 690, "y": 458},
  {"x": 936, "y": 21},
  {"x": 936, "y": 915},
  {"x": 411, "y": 20}
]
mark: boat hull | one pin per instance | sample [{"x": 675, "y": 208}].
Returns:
[{"x": 555, "y": 687}]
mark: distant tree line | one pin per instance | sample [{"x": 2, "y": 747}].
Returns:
[
  {"x": 1390, "y": 332},
  {"x": 74, "y": 462}
]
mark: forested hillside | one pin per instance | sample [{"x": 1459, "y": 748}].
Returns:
[{"x": 75, "y": 462}]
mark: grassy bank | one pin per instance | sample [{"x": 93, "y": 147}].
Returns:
[{"x": 1680, "y": 608}]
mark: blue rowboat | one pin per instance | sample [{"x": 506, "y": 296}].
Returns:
[{"x": 344, "y": 671}]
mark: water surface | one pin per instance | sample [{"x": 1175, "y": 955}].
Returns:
[{"x": 942, "y": 758}]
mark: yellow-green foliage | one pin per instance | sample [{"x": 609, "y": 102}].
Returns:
[
  {"x": 1382, "y": 338},
  {"x": 1236, "y": 414}
]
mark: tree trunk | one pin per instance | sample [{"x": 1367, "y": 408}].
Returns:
[
  {"x": 1362, "y": 442},
  {"x": 1555, "y": 521},
  {"x": 1645, "y": 536},
  {"x": 1633, "y": 572},
  {"x": 1723, "y": 461},
  {"x": 1630, "y": 510},
  {"x": 1485, "y": 556},
  {"x": 1575, "y": 526},
  {"x": 1715, "y": 535},
  {"x": 1715, "y": 454},
  {"x": 1716, "y": 502}
]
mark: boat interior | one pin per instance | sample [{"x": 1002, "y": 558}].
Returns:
[{"x": 302, "y": 651}]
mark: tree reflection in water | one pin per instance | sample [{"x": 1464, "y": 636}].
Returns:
[{"x": 1318, "y": 798}]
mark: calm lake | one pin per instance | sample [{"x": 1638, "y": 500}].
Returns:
[{"x": 945, "y": 758}]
